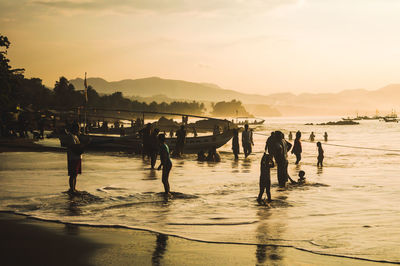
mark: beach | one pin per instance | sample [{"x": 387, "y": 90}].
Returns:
[
  {"x": 348, "y": 209},
  {"x": 29, "y": 241}
]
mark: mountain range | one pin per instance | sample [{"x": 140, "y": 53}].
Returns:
[{"x": 346, "y": 102}]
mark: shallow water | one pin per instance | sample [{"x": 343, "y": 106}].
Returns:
[{"x": 350, "y": 207}]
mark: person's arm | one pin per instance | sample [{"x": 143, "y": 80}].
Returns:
[{"x": 289, "y": 145}]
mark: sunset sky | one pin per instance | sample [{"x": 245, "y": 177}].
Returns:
[{"x": 254, "y": 46}]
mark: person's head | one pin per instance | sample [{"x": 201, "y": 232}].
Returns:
[
  {"x": 302, "y": 174},
  {"x": 156, "y": 131},
  {"x": 298, "y": 135},
  {"x": 278, "y": 135},
  {"x": 182, "y": 127},
  {"x": 148, "y": 125},
  {"x": 272, "y": 134},
  {"x": 318, "y": 144},
  {"x": 74, "y": 129},
  {"x": 246, "y": 126},
  {"x": 266, "y": 157},
  {"x": 161, "y": 138}
]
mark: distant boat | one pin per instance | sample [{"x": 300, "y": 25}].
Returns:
[
  {"x": 390, "y": 119},
  {"x": 249, "y": 121}
]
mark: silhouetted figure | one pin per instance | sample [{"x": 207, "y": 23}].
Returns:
[
  {"x": 41, "y": 128},
  {"x": 290, "y": 135},
  {"x": 281, "y": 148},
  {"x": 297, "y": 149},
  {"x": 74, "y": 156},
  {"x": 216, "y": 130},
  {"x": 265, "y": 177},
  {"x": 320, "y": 154},
  {"x": 312, "y": 136},
  {"x": 154, "y": 147},
  {"x": 201, "y": 156},
  {"x": 302, "y": 178},
  {"x": 180, "y": 141},
  {"x": 166, "y": 163},
  {"x": 213, "y": 155},
  {"x": 270, "y": 144},
  {"x": 194, "y": 132},
  {"x": 171, "y": 133},
  {"x": 235, "y": 143},
  {"x": 247, "y": 140},
  {"x": 145, "y": 134},
  {"x": 122, "y": 131},
  {"x": 326, "y": 136}
]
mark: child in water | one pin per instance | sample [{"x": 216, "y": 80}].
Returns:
[
  {"x": 320, "y": 154},
  {"x": 265, "y": 177},
  {"x": 302, "y": 179}
]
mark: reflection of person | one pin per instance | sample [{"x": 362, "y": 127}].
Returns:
[
  {"x": 297, "y": 149},
  {"x": 165, "y": 163},
  {"x": 265, "y": 177},
  {"x": 74, "y": 156},
  {"x": 247, "y": 140},
  {"x": 235, "y": 143},
  {"x": 320, "y": 154},
  {"x": 161, "y": 247}
]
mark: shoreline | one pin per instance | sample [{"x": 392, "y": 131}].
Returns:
[{"x": 105, "y": 245}]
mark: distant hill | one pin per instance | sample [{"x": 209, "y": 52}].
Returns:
[{"x": 346, "y": 102}]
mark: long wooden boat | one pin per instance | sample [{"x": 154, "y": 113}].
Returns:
[{"x": 134, "y": 143}]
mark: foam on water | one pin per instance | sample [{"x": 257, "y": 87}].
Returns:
[{"x": 348, "y": 208}]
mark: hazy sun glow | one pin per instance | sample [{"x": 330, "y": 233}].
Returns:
[{"x": 251, "y": 46}]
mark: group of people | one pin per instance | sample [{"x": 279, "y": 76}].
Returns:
[
  {"x": 276, "y": 148},
  {"x": 276, "y": 153}
]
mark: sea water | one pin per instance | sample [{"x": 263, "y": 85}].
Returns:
[{"x": 350, "y": 207}]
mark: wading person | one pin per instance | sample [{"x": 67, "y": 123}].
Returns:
[
  {"x": 247, "y": 140},
  {"x": 320, "y": 154},
  {"x": 235, "y": 143},
  {"x": 145, "y": 134},
  {"x": 166, "y": 163},
  {"x": 74, "y": 156},
  {"x": 312, "y": 136},
  {"x": 281, "y": 149},
  {"x": 326, "y": 136},
  {"x": 265, "y": 177},
  {"x": 180, "y": 141},
  {"x": 297, "y": 149},
  {"x": 154, "y": 147}
]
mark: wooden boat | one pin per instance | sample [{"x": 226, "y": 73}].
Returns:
[
  {"x": 250, "y": 121},
  {"x": 390, "y": 119},
  {"x": 134, "y": 143}
]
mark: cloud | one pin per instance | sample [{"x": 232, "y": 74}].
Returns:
[{"x": 174, "y": 6}]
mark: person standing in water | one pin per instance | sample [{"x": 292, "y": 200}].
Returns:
[
  {"x": 290, "y": 135},
  {"x": 235, "y": 143},
  {"x": 312, "y": 136},
  {"x": 180, "y": 141},
  {"x": 247, "y": 140},
  {"x": 154, "y": 147},
  {"x": 297, "y": 149},
  {"x": 265, "y": 177},
  {"x": 74, "y": 156},
  {"x": 166, "y": 163},
  {"x": 326, "y": 136},
  {"x": 320, "y": 154}
]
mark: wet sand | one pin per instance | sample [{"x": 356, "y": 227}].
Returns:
[
  {"x": 26, "y": 241},
  {"x": 20, "y": 144}
]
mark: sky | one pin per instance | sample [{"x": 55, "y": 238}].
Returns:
[{"x": 252, "y": 46}]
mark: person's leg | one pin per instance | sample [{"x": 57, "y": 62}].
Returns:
[
  {"x": 262, "y": 187},
  {"x": 280, "y": 174},
  {"x": 153, "y": 158},
  {"x": 72, "y": 182},
  {"x": 268, "y": 189},
  {"x": 298, "y": 158},
  {"x": 165, "y": 177}
]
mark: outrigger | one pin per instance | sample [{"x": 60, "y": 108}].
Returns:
[{"x": 103, "y": 140}]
